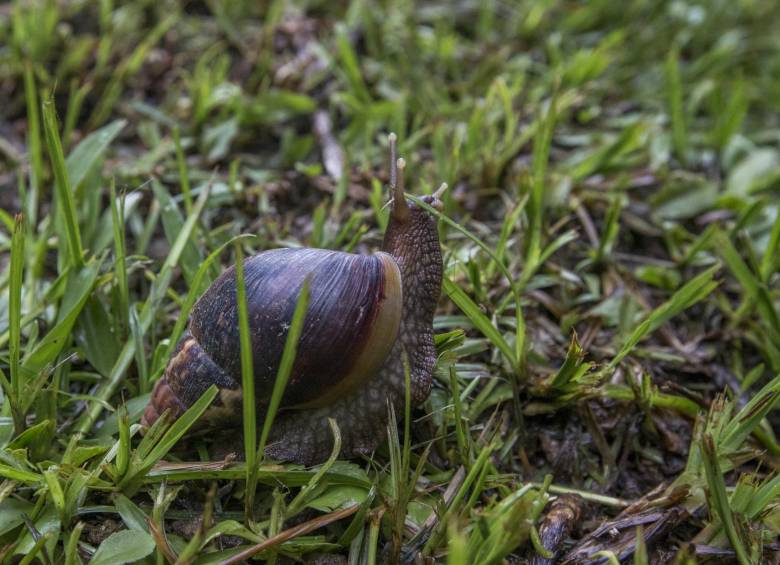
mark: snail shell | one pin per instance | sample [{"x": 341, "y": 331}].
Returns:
[{"x": 350, "y": 326}]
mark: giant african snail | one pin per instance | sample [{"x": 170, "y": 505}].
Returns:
[{"x": 364, "y": 312}]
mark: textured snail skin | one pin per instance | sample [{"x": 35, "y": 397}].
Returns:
[{"x": 299, "y": 434}]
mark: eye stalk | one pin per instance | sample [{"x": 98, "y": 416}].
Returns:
[
  {"x": 400, "y": 210},
  {"x": 434, "y": 200}
]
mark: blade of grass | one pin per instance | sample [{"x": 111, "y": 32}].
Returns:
[
  {"x": 71, "y": 550},
  {"x": 19, "y": 475},
  {"x": 180, "y": 426},
  {"x": 184, "y": 177},
  {"x": 755, "y": 291},
  {"x": 640, "y": 552},
  {"x": 291, "y": 533},
  {"x": 285, "y": 367},
  {"x": 719, "y": 501},
  {"x": 692, "y": 292},
  {"x": 461, "y": 432},
  {"x": 541, "y": 155},
  {"x": 475, "y": 315},
  {"x": 573, "y": 366},
  {"x": 349, "y": 65},
  {"x": 89, "y": 151},
  {"x": 736, "y": 431},
  {"x": 454, "y": 507},
  {"x": 120, "y": 254},
  {"x": 507, "y": 228},
  {"x": 141, "y": 362},
  {"x": 676, "y": 109},
  {"x": 75, "y": 102},
  {"x": 137, "y": 473},
  {"x": 612, "y": 227},
  {"x": 128, "y": 67},
  {"x": 34, "y": 143},
  {"x": 256, "y": 452},
  {"x": 456, "y": 545},
  {"x": 64, "y": 190},
  {"x": 15, "y": 319},
  {"x": 247, "y": 386},
  {"x": 78, "y": 287},
  {"x": 310, "y": 489},
  {"x": 770, "y": 259},
  {"x": 269, "y": 474}
]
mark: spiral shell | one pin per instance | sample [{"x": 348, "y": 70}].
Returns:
[{"x": 350, "y": 327}]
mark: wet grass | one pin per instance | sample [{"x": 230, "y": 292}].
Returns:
[{"x": 609, "y": 328}]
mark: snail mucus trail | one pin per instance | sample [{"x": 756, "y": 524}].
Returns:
[{"x": 365, "y": 313}]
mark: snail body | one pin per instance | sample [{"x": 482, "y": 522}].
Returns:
[{"x": 366, "y": 313}]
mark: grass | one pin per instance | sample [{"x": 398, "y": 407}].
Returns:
[{"x": 609, "y": 328}]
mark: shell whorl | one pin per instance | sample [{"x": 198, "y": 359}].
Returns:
[{"x": 350, "y": 327}]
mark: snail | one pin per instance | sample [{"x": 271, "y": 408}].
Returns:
[{"x": 366, "y": 314}]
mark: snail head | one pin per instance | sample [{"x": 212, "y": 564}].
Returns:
[{"x": 412, "y": 233}]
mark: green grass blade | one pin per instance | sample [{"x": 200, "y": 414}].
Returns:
[
  {"x": 611, "y": 227},
  {"x": 173, "y": 221},
  {"x": 180, "y": 426},
  {"x": 507, "y": 229},
  {"x": 137, "y": 473},
  {"x": 771, "y": 258},
  {"x": 127, "y": 68},
  {"x": 90, "y": 150},
  {"x": 541, "y": 156},
  {"x": 141, "y": 362},
  {"x": 72, "y": 548},
  {"x": 34, "y": 143},
  {"x": 572, "y": 365},
  {"x": 676, "y": 109},
  {"x": 247, "y": 385},
  {"x": 77, "y": 291},
  {"x": 76, "y": 98},
  {"x": 461, "y": 430},
  {"x": 20, "y": 475},
  {"x": 64, "y": 191},
  {"x": 350, "y": 66},
  {"x": 184, "y": 176},
  {"x": 755, "y": 291},
  {"x": 15, "y": 308},
  {"x": 480, "y": 321},
  {"x": 692, "y": 292},
  {"x": 454, "y": 507},
  {"x": 718, "y": 499},
  {"x": 748, "y": 418},
  {"x": 285, "y": 366},
  {"x": 120, "y": 256},
  {"x": 312, "y": 488}
]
